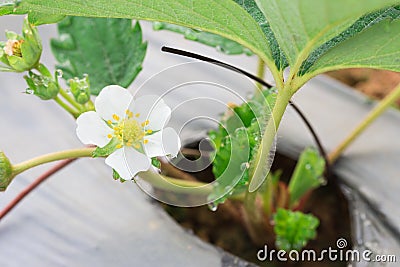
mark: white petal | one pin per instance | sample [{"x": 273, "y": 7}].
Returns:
[
  {"x": 128, "y": 162},
  {"x": 153, "y": 109},
  {"x": 113, "y": 99},
  {"x": 162, "y": 143},
  {"x": 92, "y": 130}
]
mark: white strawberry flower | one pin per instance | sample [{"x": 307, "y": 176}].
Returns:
[{"x": 138, "y": 125}]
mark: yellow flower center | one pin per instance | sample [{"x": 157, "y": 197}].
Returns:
[
  {"x": 13, "y": 48},
  {"x": 129, "y": 131}
]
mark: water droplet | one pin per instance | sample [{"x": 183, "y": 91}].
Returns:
[
  {"x": 227, "y": 141},
  {"x": 212, "y": 206},
  {"x": 244, "y": 166},
  {"x": 59, "y": 73},
  {"x": 29, "y": 91},
  {"x": 240, "y": 132},
  {"x": 254, "y": 120},
  {"x": 308, "y": 166}
]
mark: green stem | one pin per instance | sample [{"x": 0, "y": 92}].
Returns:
[
  {"x": 260, "y": 72},
  {"x": 371, "y": 117},
  {"x": 258, "y": 171},
  {"x": 68, "y": 108},
  {"x": 70, "y": 100},
  {"x": 67, "y": 154},
  {"x": 175, "y": 185}
]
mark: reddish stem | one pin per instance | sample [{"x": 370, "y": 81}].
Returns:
[{"x": 33, "y": 185}]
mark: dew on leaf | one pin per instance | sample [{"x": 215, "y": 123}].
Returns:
[
  {"x": 212, "y": 206},
  {"x": 59, "y": 73}
]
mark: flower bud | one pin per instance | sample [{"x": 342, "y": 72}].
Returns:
[
  {"x": 42, "y": 86},
  {"x": 21, "y": 53},
  {"x": 5, "y": 172},
  {"x": 80, "y": 88}
]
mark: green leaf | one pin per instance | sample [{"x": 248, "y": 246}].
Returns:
[
  {"x": 116, "y": 175},
  {"x": 111, "y": 51},
  {"x": 155, "y": 162},
  {"x": 307, "y": 175},
  {"x": 357, "y": 28},
  {"x": 38, "y": 18},
  {"x": 11, "y": 7},
  {"x": 240, "y": 128},
  {"x": 301, "y": 26},
  {"x": 6, "y": 9},
  {"x": 376, "y": 47},
  {"x": 107, "y": 149},
  {"x": 222, "y": 17},
  {"x": 294, "y": 229},
  {"x": 251, "y": 7},
  {"x": 222, "y": 44}
]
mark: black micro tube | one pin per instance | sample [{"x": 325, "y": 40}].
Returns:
[{"x": 264, "y": 83}]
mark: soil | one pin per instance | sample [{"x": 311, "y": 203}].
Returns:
[
  {"x": 222, "y": 227},
  {"x": 374, "y": 83}
]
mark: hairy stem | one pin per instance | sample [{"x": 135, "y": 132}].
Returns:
[
  {"x": 370, "y": 118},
  {"x": 175, "y": 185},
  {"x": 260, "y": 72},
  {"x": 67, "y": 154},
  {"x": 70, "y": 100},
  {"x": 258, "y": 171},
  {"x": 154, "y": 178},
  {"x": 66, "y": 107}
]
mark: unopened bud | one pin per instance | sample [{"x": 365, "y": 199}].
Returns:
[
  {"x": 80, "y": 88},
  {"x": 42, "y": 86},
  {"x": 5, "y": 172}
]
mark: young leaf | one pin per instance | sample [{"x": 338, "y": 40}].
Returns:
[
  {"x": 301, "y": 26},
  {"x": 111, "y": 51},
  {"x": 307, "y": 175},
  {"x": 294, "y": 229},
  {"x": 222, "y": 44},
  {"x": 240, "y": 128},
  {"x": 376, "y": 47},
  {"x": 222, "y": 17}
]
